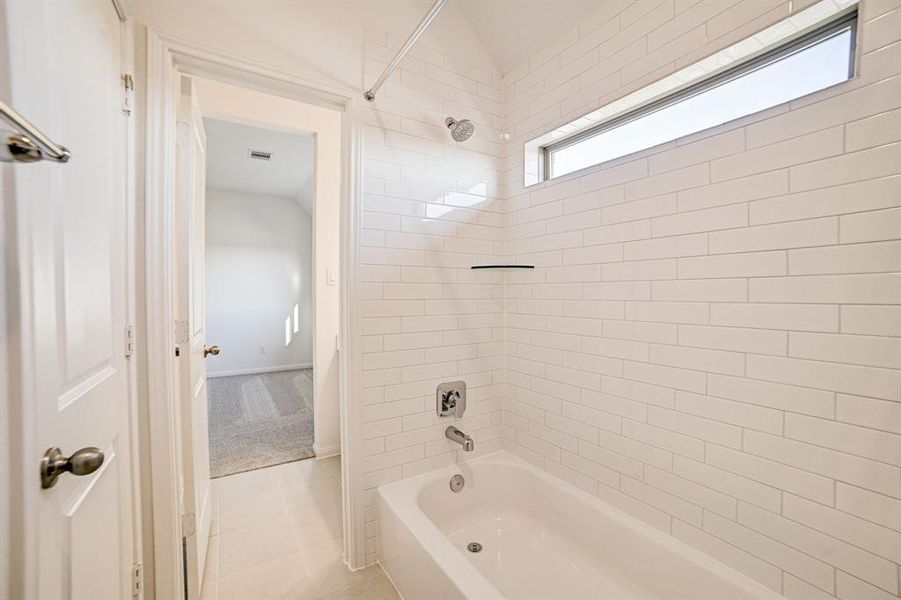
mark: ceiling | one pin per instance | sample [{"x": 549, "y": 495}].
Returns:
[
  {"x": 289, "y": 173},
  {"x": 321, "y": 35},
  {"x": 513, "y": 30}
]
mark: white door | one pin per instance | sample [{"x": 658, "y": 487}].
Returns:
[
  {"x": 67, "y": 336},
  {"x": 191, "y": 316}
]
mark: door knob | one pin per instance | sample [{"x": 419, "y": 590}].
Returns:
[
  {"x": 53, "y": 464},
  {"x": 207, "y": 350}
]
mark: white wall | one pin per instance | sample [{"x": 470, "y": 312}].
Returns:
[
  {"x": 250, "y": 107},
  {"x": 258, "y": 266},
  {"x": 710, "y": 340}
]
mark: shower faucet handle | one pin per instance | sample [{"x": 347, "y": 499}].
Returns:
[{"x": 450, "y": 399}]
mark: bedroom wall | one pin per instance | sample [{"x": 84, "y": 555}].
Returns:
[
  {"x": 710, "y": 339},
  {"x": 258, "y": 267}
]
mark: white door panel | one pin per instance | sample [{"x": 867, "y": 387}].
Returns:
[
  {"x": 64, "y": 61},
  {"x": 190, "y": 307}
]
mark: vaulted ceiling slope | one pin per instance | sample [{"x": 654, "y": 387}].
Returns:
[
  {"x": 325, "y": 35},
  {"x": 320, "y": 39},
  {"x": 513, "y": 30}
]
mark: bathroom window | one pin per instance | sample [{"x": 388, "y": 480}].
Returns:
[{"x": 791, "y": 59}]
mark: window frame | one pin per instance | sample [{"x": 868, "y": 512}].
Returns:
[{"x": 847, "y": 21}]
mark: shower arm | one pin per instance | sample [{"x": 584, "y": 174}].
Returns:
[{"x": 408, "y": 45}]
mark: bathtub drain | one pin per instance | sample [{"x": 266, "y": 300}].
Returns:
[{"x": 474, "y": 547}]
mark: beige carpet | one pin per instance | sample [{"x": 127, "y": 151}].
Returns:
[{"x": 259, "y": 420}]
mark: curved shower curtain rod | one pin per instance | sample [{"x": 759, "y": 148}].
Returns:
[{"x": 408, "y": 45}]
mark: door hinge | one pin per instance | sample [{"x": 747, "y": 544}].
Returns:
[
  {"x": 181, "y": 332},
  {"x": 129, "y": 340},
  {"x": 128, "y": 83},
  {"x": 188, "y": 524},
  {"x": 137, "y": 579}
]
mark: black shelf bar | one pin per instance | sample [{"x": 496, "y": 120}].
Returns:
[{"x": 502, "y": 267}]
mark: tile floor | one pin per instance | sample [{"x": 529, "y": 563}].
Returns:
[{"x": 276, "y": 535}]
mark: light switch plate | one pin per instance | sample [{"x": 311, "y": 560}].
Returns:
[{"x": 331, "y": 276}]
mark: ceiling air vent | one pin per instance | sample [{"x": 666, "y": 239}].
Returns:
[{"x": 259, "y": 155}]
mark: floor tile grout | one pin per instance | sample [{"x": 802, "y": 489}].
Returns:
[{"x": 318, "y": 576}]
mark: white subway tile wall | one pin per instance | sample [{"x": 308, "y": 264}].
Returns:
[
  {"x": 710, "y": 340},
  {"x": 431, "y": 209}
]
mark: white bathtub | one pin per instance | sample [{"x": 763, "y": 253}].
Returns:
[{"x": 542, "y": 538}]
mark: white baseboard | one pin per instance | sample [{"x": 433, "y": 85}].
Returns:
[
  {"x": 326, "y": 451},
  {"x": 257, "y": 370}
]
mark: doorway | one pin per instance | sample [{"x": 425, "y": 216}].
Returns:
[
  {"x": 260, "y": 186},
  {"x": 332, "y": 111},
  {"x": 270, "y": 245},
  {"x": 267, "y": 243}
]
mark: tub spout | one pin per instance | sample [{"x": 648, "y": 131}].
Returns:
[{"x": 455, "y": 435}]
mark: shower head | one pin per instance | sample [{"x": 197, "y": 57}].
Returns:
[{"x": 460, "y": 130}]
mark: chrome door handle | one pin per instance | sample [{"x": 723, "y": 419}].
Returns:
[
  {"x": 31, "y": 145},
  {"x": 53, "y": 464},
  {"x": 207, "y": 350}
]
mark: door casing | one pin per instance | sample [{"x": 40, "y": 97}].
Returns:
[{"x": 166, "y": 57}]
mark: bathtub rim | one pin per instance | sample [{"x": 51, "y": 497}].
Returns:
[
  {"x": 403, "y": 502},
  {"x": 402, "y": 498}
]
